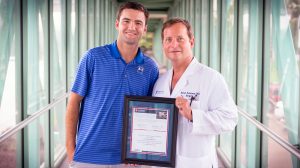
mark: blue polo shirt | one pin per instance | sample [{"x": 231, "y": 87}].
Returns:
[{"x": 103, "y": 78}]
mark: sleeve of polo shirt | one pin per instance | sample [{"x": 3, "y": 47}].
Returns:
[{"x": 82, "y": 78}]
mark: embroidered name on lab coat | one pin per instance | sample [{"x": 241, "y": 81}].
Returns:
[{"x": 189, "y": 95}]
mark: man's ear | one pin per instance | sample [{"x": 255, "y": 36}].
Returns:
[
  {"x": 117, "y": 24},
  {"x": 145, "y": 29},
  {"x": 192, "y": 41}
]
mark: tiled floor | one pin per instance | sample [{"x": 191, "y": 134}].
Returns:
[{"x": 65, "y": 164}]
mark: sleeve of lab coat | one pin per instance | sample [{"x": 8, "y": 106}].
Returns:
[{"x": 221, "y": 115}]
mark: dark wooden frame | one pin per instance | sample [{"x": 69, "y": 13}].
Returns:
[{"x": 174, "y": 120}]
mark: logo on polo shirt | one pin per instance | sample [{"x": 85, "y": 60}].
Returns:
[{"x": 140, "y": 69}]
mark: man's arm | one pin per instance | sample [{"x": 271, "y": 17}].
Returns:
[{"x": 72, "y": 116}]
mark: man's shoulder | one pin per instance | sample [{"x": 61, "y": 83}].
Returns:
[
  {"x": 204, "y": 69},
  {"x": 96, "y": 53},
  {"x": 100, "y": 49},
  {"x": 165, "y": 76},
  {"x": 149, "y": 62}
]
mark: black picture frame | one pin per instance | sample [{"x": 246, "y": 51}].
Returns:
[{"x": 162, "y": 110}]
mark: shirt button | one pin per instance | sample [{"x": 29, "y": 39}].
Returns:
[{"x": 125, "y": 76}]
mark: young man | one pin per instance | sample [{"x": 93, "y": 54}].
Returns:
[
  {"x": 105, "y": 74},
  {"x": 206, "y": 108}
]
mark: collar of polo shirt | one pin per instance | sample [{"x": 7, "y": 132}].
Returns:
[{"x": 139, "y": 58}]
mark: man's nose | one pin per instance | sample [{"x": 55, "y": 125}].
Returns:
[
  {"x": 131, "y": 26},
  {"x": 174, "y": 43}
]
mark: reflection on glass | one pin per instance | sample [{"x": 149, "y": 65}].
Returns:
[
  {"x": 59, "y": 129},
  {"x": 228, "y": 43},
  {"x": 36, "y": 142},
  {"x": 83, "y": 26},
  {"x": 214, "y": 58},
  {"x": 283, "y": 108},
  {"x": 274, "y": 151},
  {"x": 9, "y": 64},
  {"x": 72, "y": 42},
  {"x": 249, "y": 75},
  {"x": 58, "y": 76},
  {"x": 10, "y": 152},
  {"x": 36, "y": 65},
  {"x": 228, "y": 62},
  {"x": 36, "y": 53}
]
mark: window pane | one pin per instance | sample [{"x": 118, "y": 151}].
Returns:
[
  {"x": 83, "y": 37},
  {"x": 10, "y": 72},
  {"x": 59, "y": 130},
  {"x": 249, "y": 75},
  {"x": 36, "y": 143},
  {"x": 214, "y": 58},
  {"x": 282, "y": 77},
  {"x": 91, "y": 24},
  {"x": 36, "y": 67},
  {"x": 274, "y": 150},
  {"x": 228, "y": 59},
  {"x": 72, "y": 41},
  {"x": 36, "y": 53},
  {"x": 10, "y": 152},
  {"x": 58, "y": 77},
  {"x": 204, "y": 32}
]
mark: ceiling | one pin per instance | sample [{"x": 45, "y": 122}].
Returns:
[{"x": 158, "y": 10}]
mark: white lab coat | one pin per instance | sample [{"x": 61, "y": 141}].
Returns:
[{"x": 213, "y": 110}]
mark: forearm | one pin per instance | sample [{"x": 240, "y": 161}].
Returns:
[{"x": 72, "y": 116}]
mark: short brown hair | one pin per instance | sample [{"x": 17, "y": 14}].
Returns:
[
  {"x": 134, "y": 6},
  {"x": 175, "y": 20}
]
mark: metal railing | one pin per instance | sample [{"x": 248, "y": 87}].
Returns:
[
  {"x": 31, "y": 118},
  {"x": 282, "y": 142}
]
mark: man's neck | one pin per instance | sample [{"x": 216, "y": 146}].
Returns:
[
  {"x": 128, "y": 52},
  {"x": 180, "y": 67}
]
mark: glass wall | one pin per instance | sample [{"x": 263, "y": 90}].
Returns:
[
  {"x": 36, "y": 92},
  {"x": 255, "y": 45},
  {"x": 11, "y": 152},
  {"x": 72, "y": 40},
  {"x": 39, "y": 53},
  {"x": 10, "y": 64},
  {"x": 228, "y": 63},
  {"x": 254, "y": 42},
  {"x": 249, "y": 77},
  {"x": 10, "y": 82},
  {"x": 58, "y": 75},
  {"x": 214, "y": 35},
  {"x": 282, "y": 78}
]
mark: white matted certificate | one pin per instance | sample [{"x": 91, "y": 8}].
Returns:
[{"x": 149, "y": 130}]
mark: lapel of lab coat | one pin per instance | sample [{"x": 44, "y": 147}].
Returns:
[{"x": 184, "y": 80}]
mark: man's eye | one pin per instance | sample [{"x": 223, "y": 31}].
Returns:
[
  {"x": 180, "y": 39},
  {"x": 139, "y": 23},
  {"x": 168, "y": 40}
]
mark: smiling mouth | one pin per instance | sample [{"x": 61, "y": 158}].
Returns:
[{"x": 131, "y": 33}]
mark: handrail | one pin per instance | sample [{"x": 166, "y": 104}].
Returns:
[
  {"x": 31, "y": 118},
  {"x": 289, "y": 147}
]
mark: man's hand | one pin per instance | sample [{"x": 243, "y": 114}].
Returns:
[{"x": 184, "y": 107}]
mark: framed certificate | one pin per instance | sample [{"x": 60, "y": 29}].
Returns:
[{"x": 149, "y": 131}]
